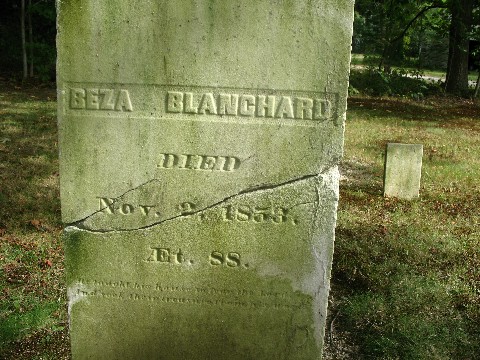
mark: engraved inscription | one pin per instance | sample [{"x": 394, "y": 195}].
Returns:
[
  {"x": 186, "y": 208},
  {"x": 100, "y": 99},
  {"x": 242, "y": 213},
  {"x": 257, "y": 214},
  {"x": 230, "y": 259},
  {"x": 110, "y": 206},
  {"x": 199, "y": 162},
  {"x": 206, "y": 104},
  {"x": 195, "y": 295},
  {"x": 266, "y": 106},
  {"x": 165, "y": 255}
]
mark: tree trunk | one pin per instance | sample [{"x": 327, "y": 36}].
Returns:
[
  {"x": 24, "y": 45},
  {"x": 30, "y": 36},
  {"x": 457, "y": 71},
  {"x": 477, "y": 87}
]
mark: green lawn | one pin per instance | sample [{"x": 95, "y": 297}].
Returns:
[
  {"x": 409, "y": 271},
  {"x": 32, "y": 291}
]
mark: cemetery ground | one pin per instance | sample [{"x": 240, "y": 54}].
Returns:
[{"x": 406, "y": 274}]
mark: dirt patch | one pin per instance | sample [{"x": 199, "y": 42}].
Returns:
[{"x": 45, "y": 344}]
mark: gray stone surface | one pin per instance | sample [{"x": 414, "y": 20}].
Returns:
[
  {"x": 199, "y": 144},
  {"x": 403, "y": 170}
]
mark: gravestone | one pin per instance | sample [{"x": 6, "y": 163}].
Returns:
[
  {"x": 199, "y": 143},
  {"x": 403, "y": 169}
]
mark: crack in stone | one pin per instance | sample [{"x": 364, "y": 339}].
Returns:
[
  {"x": 311, "y": 231},
  {"x": 79, "y": 223},
  {"x": 262, "y": 187}
]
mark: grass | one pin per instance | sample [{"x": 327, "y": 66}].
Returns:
[
  {"x": 409, "y": 271},
  {"x": 406, "y": 277},
  {"x": 32, "y": 295}
]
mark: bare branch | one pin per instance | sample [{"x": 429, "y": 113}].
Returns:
[{"x": 419, "y": 14}]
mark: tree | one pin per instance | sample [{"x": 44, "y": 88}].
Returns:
[
  {"x": 388, "y": 27},
  {"x": 27, "y": 37},
  {"x": 24, "y": 41},
  {"x": 476, "y": 48},
  {"x": 460, "y": 30},
  {"x": 30, "y": 35}
]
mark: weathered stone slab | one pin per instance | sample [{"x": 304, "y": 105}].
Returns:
[
  {"x": 199, "y": 146},
  {"x": 403, "y": 170}
]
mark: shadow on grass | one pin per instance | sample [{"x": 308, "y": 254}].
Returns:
[
  {"x": 28, "y": 160},
  {"x": 401, "y": 294},
  {"x": 360, "y": 178},
  {"x": 32, "y": 293},
  {"x": 455, "y": 112}
]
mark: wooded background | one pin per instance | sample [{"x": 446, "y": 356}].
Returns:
[{"x": 439, "y": 34}]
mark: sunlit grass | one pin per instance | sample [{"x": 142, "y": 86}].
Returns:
[
  {"x": 410, "y": 269},
  {"x": 32, "y": 298}
]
